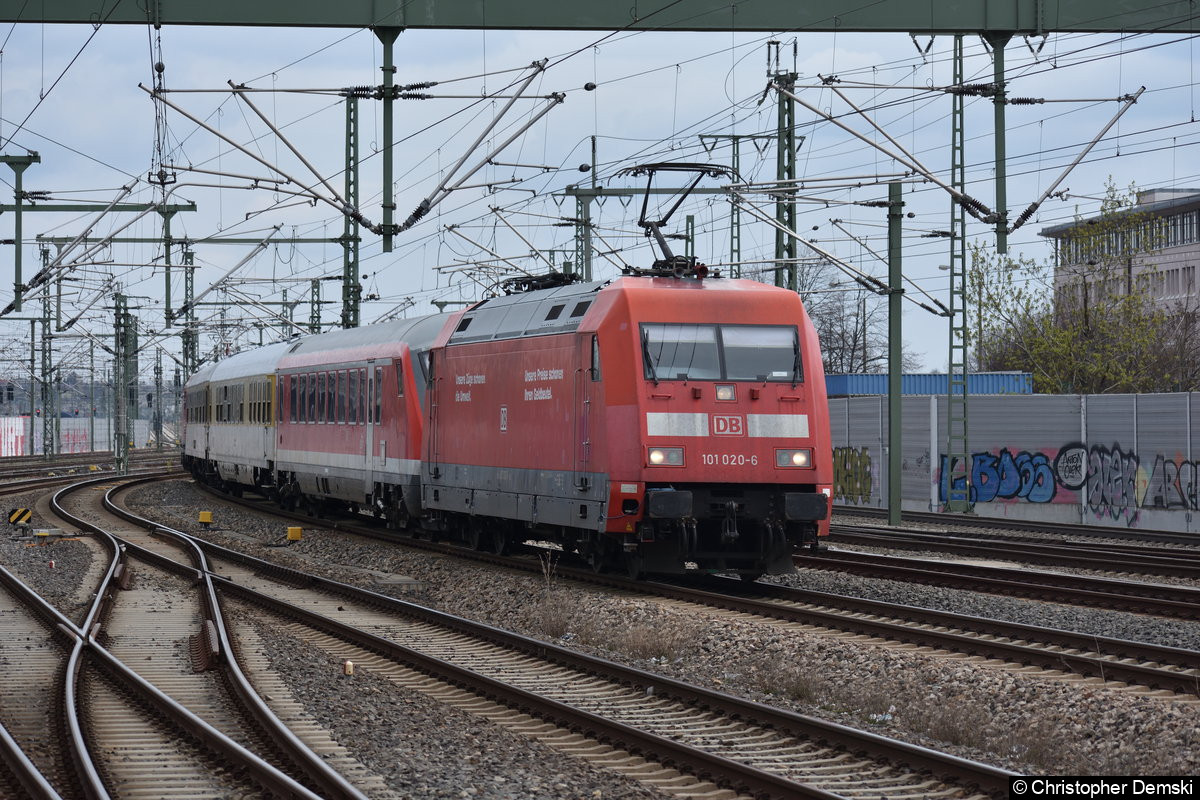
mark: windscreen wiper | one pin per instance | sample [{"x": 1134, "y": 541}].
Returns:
[
  {"x": 795, "y": 361},
  {"x": 646, "y": 356}
]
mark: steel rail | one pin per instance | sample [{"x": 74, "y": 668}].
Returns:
[
  {"x": 989, "y": 779},
  {"x": 262, "y": 772},
  {"x": 1060, "y": 529},
  {"x": 32, "y": 781},
  {"x": 1142, "y": 598},
  {"x": 63, "y": 627},
  {"x": 1088, "y": 661},
  {"x": 1181, "y": 564},
  {"x": 1088, "y": 656}
]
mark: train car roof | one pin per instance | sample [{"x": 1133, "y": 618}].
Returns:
[
  {"x": 418, "y": 333},
  {"x": 246, "y": 364},
  {"x": 543, "y": 311}
]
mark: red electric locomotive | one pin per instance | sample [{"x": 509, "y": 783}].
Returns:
[{"x": 656, "y": 423}]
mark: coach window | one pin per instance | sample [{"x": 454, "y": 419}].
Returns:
[
  {"x": 291, "y": 382},
  {"x": 378, "y": 394},
  {"x": 352, "y": 411},
  {"x": 331, "y": 397},
  {"x": 363, "y": 397},
  {"x": 321, "y": 377},
  {"x": 341, "y": 397},
  {"x": 312, "y": 397}
]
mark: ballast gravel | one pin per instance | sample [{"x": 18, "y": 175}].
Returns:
[
  {"x": 422, "y": 748},
  {"x": 1025, "y": 722},
  {"x": 53, "y": 565}
]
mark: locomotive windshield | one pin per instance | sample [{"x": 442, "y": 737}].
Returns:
[{"x": 673, "y": 351}]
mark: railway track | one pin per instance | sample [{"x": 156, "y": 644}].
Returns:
[
  {"x": 1111, "y": 557},
  {"x": 15, "y": 468},
  {"x": 957, "y": 522},
  {"x": 139, "y": 719},
  {"x": 1133, "y": 596},
  {"x": 754, "y": 748},
  {"x": 32, "y": 752},
  {"x": 1058, "y": 653}
]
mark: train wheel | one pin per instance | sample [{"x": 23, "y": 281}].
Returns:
[
  {"x": 596, "y": 559},
  {"x": 474, "y": 534}
]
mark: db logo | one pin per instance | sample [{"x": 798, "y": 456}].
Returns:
[{"x": 728, "y": 425}]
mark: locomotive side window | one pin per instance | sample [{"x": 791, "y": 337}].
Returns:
[
  {"x": 680, "y": 352},
  {"x": 399, "y": 378},
  {"x": 595, "y": 357},
  {"x": 761, "y": 352}
]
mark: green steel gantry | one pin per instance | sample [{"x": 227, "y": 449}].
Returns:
[{"x": 1033, "y": 17}]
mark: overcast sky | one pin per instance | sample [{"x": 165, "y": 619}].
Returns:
[{"x": 71, "y": 94}]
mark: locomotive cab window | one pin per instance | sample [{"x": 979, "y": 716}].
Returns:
[
  {"x": 761, "y": 353},
  {"x": 681, "y": 351}
]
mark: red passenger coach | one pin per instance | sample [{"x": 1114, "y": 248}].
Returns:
[{"x": 658, "y": 424}]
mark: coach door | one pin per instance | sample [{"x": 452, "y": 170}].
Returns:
[
  {"x": 209, "y": 418},
  {"x": 377, "y": 439},
  {"x": 370, "y": 390}
]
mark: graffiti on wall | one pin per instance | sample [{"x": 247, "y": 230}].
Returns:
[
  {"x": 1112, "y": 479},
  {"x": 1113, "y": 482},
  {"x": 1004, "y": 476},
  {"x": 1173, "y": 483},
  {"x": 852, "y": 475}
]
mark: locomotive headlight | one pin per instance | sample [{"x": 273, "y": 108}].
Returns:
[
  {"x": 794, "y": 458},
  {"x": 665, "y": 456},
  {"x": 725, "y": 391}
]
